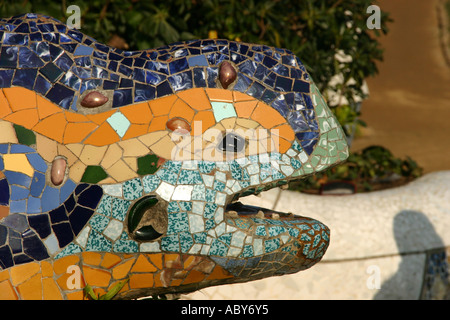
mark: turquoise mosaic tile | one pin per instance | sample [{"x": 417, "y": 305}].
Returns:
[
  {"x": 218, "y": 248},
  {"x": 170, "y": 243},
  {"x": 150, "y": 183},
  {"x": 190, "y": 177},
  {"x": 119, "y": 123},
  {"x": 98, "y": 242},
  {"x": 178, "y": 222},
  {"x": 132, "y": 189},
  {"x": 124, "y": 244},
  {"x": 120, "y": 208},
  {"x": 105, "y": 205},
  {"x": 99, "y": 222}
]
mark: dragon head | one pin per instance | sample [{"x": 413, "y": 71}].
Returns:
[{"x": 138, "y": 159}]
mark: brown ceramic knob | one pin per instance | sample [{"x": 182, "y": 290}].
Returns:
[
  {"x": 58, "y": 171},
  {"x": 227, "y": 74},
  {"x": 94, "y": 99},
  {"x": 178, "y": 125}
]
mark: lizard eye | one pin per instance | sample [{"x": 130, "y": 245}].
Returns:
[
  {"x": 94, "y": 99},
  {"x": 232, "y": 143}
]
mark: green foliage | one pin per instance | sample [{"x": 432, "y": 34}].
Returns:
[
  {"x": 373, "y": 166},
  {"x": 89, "y": 292}
]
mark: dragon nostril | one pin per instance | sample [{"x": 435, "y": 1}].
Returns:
[{"x": 147, "y": 220}]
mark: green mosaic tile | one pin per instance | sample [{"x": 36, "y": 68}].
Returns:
[
  {"x": 24, "y": 135},
  {"x": 147, "y": 164},
  {"x": 93, "y": 174}
]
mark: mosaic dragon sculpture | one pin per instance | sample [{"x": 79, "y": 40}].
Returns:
[{"x": 128, "y": 165}]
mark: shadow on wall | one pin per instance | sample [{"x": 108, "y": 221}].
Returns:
[{"x": 422, "y": 272}]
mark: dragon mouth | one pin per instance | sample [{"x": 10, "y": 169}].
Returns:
[{"x": 238, "y": 209}]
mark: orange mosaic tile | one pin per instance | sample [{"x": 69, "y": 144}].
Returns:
[
  {"x": 205, "y": 119},
  {"x": 162, "y": 106},
  {"x": 120, "y": 271},
  {"x": 239, "y": 96},
  {"x": 46, "y": 269},
  {"x": 284, "y": 131},
  {"x": 96, "y": 277},
  {"x": 76, "y": 117},
  {"x": 4, "y": 275},
  {"x": 181, "y": 109},
  {"x": 4, "y": 105},
  {"x": 135, "y": 130},
  {"x": 31, "y": 289},
  {"x": 156, "y": 259},
  {"x": 103, "y": 136},
  {"x": 23, "y": 272},
  {"x": 138, "y": 113},
  {"x": 52, "y": 126},
  {"x": 158, "y": 123},
  {"x": 219, "y": 273},
  {"x": 244, "y": 109},
  {"x": 143, "y": 265},
  {"x": 143, "y": 280},
  {"x": 50, "y": 290},
  {"x": 110, "y": 260},
  {"x": 60, "y": 265},
  {"x": 219, "y": 95},
  {"x": 20, "y": 98},
  {"x": 196, "y": 98},
  {"x": 7, "y": 291},
  {"x": 46, "y": 107},
  {"x": 267, "y": 116},
  {"x": 99, "y": 118},
  {"x": 27, "y": 118},
  {"x": 194, "y": 277},
  {"x": 77, "y": 132},
  {"x": 92, "y": 258}
]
